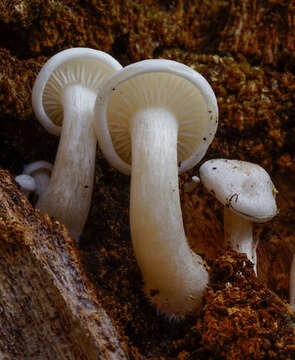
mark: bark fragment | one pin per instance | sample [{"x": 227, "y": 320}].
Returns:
[{"x": 48, "y": 307}]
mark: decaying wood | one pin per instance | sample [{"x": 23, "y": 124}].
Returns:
[
  {"x": 263, "y": 30},
  {"x": 48, "y": 308}
]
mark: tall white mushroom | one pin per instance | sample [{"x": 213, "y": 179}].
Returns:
[
  {"x": 248, "y": 196},
  {"x": 160, "y": 116},
  {"x": 63, "y": 100}
]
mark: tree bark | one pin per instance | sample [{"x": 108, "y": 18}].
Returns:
[{"x": 48, "y": 307}]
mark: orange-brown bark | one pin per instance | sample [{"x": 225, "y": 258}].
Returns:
[{"x": 48, "y": 307}]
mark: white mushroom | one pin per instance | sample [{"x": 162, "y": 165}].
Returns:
[
  {"x": 164, "y": 114},
  {"x": 27, "y": 183},
  {"x": 41, "y": 172},
  {"x": 190, "y": 186},
  {"x": 248, "y": 196},
  {"x": 63, "y": 100}
]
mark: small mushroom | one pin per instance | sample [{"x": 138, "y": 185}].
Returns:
[
  {"x": 248, "y": 196},
  {"x": 41, "y": 172},
  {"x": 190, "y": 186},
  {"x": 63, "y": 100},
  {"x": 27, "y": 183},
  {"x": 155, "y": 118}
]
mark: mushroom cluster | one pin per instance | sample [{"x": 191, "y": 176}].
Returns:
[{"x": 153, "y": 119}]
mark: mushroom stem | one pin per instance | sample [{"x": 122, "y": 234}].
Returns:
[
  {"x": 292, "y": 284},
  {"x": 175, "y": 278},
  {"x": 238, "y": 232},
  {"x": 68, "y": 194}
]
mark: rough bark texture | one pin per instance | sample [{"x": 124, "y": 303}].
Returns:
[{"x": 48, "y": 309}]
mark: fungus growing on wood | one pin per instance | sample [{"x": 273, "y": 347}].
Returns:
[
  {"x": 27, "y": 183},
  {"x": 156, "y": 118},
  {"x": 63, "y": 100},
  {"x": 248, "y": 196},
  {"x": 40, "y": 171}
]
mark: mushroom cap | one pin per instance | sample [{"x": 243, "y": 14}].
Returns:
[
  {"x": 156, "y": 84},
  {"x": 243, "y": 187},
  {"x": 41, "y": 172},
  {"x": 36, "y": 166},
  {"x": 26, "y": 182},
  {"x": 87, "y": 67}
]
